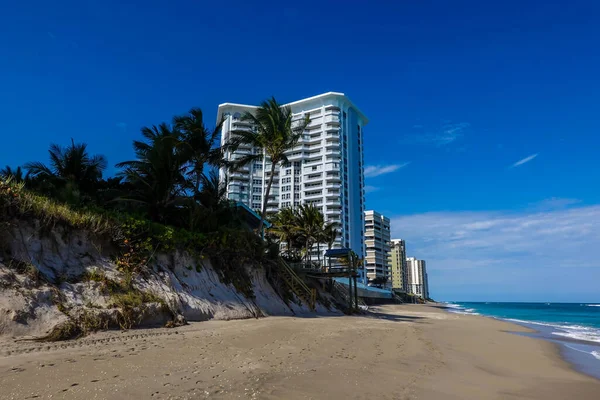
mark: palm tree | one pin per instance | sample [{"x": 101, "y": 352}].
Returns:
[
  {"x": 285, "y": 225},
  {"x": 157, "y": 173},
  {"x": 214, "y": 191},
  {"x": 328, "y": 235},
  {"x": 70, "y": 166},
  {"x": 199, "y": 145},
  {"x": 310, "y": 226},
  {"x": 274, "y": 133},
  {"x": 15, "y": 175}
]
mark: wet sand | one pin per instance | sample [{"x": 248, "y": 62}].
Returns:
[{"x": 397, "y": 352}]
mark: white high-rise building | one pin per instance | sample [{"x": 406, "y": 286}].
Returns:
[
  {"x": 377, "y": 241},
  {"x": 325, "y": 168},
  {"x": 417, "y": 277}
]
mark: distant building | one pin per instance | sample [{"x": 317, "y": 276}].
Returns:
[
  {"x": 398, "y": 266},
  {"x": 377, "y": 241},
  {"x": 417, "y": 277}
]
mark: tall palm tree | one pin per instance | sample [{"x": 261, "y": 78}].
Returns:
[
  {"x": 157, "y": 173},
  {"x": 274, "y": 133},
  {"x": 199, "y": 145},
  {"x": 71, "y": 165}
]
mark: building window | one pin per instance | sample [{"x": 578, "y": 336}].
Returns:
[
  {"x": 256, "y": 190},
  {"x": 256, "y": 198}
]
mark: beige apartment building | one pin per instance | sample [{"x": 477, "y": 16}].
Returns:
[{"x": 398, "y": 265}]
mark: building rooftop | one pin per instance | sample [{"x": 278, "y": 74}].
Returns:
[{"x": 316, "y": 98}]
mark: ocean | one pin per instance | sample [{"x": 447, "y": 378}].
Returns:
[{"x": 574, "y": 326}]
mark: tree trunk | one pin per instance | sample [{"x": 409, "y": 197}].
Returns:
[
  {"x": 319, "y": 253},
  {"x": 264, "y": 209}
]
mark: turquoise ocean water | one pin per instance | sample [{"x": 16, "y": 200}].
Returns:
[{"x": 575, "y": 326}]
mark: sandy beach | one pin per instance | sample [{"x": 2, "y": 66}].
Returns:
[{"x": 397, "y": 352}]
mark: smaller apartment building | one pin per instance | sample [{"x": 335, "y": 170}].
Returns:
[
  {"x": 398, "y": 265},
  {"x": 377, "y": 242},
  {"x": 417, "y": 277}
]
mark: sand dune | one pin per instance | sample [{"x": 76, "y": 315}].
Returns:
[{"x": 398, "y": 352}]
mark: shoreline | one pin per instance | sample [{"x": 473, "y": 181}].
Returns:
[
  {"x": 579, "y": 360},
  {"x": 394, "y": 352}
]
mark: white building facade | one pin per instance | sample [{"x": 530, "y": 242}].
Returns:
[
  {"x": 325, "y": 168},
  {"x": 377, "y": 242},
  {"x": 418, "y": 282}
]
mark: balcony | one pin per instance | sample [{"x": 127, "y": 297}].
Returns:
[
  {"x": 332, "y": 145},
  {"x": 239, "y": 176},
  {"x": 332, "y": 166},
  {"x": 332, "y": 182},
  {"x": 313, "y": 196},
  {"x": 240, "y": 126},
  {"x": 317, "y": 167},
  {"x": 332, "y": 119},
  {"x": 309, "y": 179}
]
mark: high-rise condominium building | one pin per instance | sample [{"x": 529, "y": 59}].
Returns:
[
  {"x": 325, "y": 168},
  {"x": 398, "y": 265},
  {"x": 377, "y": 240},
  {"x": 417, "y": 277}
]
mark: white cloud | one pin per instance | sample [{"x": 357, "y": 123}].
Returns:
[
  {"x": 446, "y": 135},
  {"x": 554, "y": 203},
  {"x": 376, "y": 170},
  {"x": 525, "y": 160},
  {"x": 541, "y": 256},
  {"x": 371, "y": 189}
]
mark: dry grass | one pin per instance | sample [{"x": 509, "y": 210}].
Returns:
[{"x": 16, "y": 201}]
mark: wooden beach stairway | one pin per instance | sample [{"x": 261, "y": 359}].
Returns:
[{"x": 297, "y": 285}]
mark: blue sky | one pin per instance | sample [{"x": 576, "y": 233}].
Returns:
[{"x": 485, "y": 117}]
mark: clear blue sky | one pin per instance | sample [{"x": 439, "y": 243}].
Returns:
[{"x": 456, "y": 92}]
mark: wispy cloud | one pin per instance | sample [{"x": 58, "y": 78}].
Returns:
[
  {"x": 121, "y": 125},
  {"x": 554, "y": 203},
  {"x": 447, "y": 134},
  {"x": 376, "y": 170},
  {"x": 51, "y": 35},
  {"x": 487, "y": 255},
  {"x": 524, "y": 160},
  {"x": 371, "y": 189}
]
